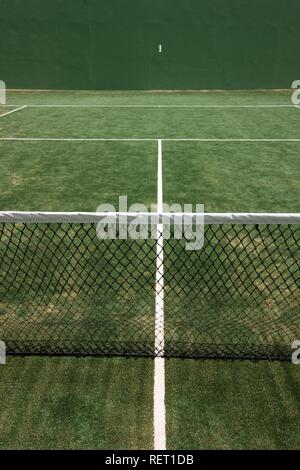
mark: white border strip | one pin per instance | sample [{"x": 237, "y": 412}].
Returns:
[
  {"x": 159, "y": 409},
  {"x": 13, "y": 111},
  {"x": 159, "y": 177},
  {"x": 155, "y": 105},
  {"x": 229, "y": 140},
  {"x": 133, "y": 139},
  {"x": 76, "y": 139},
  {"x": 210, "y": 218}
]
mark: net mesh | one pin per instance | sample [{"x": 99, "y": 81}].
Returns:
[
  {"x": 65, "y": 291},
  {"x": 238, "y": 297}
]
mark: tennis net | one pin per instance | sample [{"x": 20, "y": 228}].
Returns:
[{"x": 65, "y": 291}]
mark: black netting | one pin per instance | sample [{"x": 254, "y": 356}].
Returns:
[
  {"x": 64, "y": 291},
  {"x": 238, "y": 297}
]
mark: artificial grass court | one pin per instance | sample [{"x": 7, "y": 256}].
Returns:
[
  {"x": 182, "y": 98},
  {"x": 106, "y": 403},
  {"x": 78, "y": 176},
  {"x": 76, "y": 403},
  {"x": 153, "y": 123},
  {"x": 67, "y": 176},
  {"x": 225, "y": 176},
  {"x": 232, "y": 405}
]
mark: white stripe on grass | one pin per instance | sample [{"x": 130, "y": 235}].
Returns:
[
  {"x": 157, "y": 105},
  {"x": 75, "y": 139},
  {"x": 13, "y": 111},
  {"x": 159, "y": 410},
  {"x": 137, "y": 139},
  {"x": 229, "y": 140}
]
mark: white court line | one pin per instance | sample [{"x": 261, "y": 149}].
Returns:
[
  {"x": 75, "y": 139},
  {"x": 13, "y": 111},
  {"x": 159, "y": 409},
  {"x": 229, "y": 140},
  {"x": 156, "y": 105}
]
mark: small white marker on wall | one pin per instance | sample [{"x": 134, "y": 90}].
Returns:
[{"x": 160, "y": 48}]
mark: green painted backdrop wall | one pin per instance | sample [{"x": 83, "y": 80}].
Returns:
[{"x": 113, "y": 44}]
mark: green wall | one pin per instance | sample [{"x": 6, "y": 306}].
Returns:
[{"x": 113, "y": 44}]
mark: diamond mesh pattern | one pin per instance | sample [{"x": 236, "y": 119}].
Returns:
[
  {"x": 238, "y": 297},
  {"x": 64, "y": 291}
]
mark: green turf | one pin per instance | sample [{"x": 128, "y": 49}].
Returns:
[
  {"x": 232, "y": 405},
  {"x": 72, "y": 403},
  {"x": 233, "y": 177},
  {"x": 80, "y": 403},
  {"x": 208, "y": 123},
  {"x": 66, "y": 176},
  {"x": 19, "y": 97},
  {"x": 73, "y": 176},
  {"x": 209, "y": 404}
]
